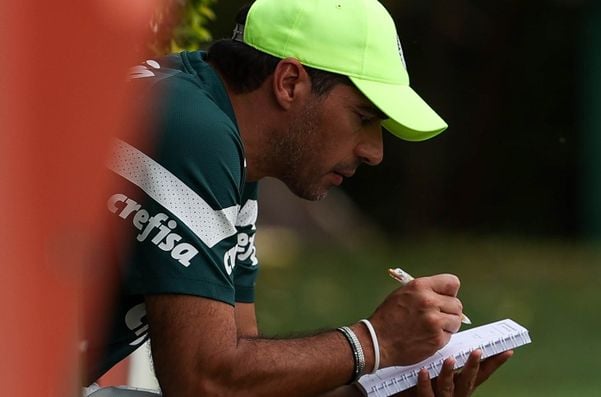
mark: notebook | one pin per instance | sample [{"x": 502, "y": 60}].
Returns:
[{"x": 491, "y": 339}]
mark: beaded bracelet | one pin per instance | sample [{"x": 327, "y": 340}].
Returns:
[{"x": 358, "y": 355}]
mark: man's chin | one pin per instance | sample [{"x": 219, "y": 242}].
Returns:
[
  {"x": 319, "y": 196},
  {"x": 313, "y": 193}
]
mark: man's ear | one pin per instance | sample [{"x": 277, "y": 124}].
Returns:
[{"x": 291, "y": 83}]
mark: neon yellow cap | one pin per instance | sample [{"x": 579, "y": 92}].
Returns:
[{"x": 356, "y": 38}]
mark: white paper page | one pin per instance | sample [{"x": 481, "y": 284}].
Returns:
[{"x": 491, "y": 338}]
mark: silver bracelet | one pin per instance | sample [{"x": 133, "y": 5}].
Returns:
[{"x": 358, "y": 355}]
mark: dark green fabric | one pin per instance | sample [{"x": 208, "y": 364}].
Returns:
[{"x": 191, "y": 133}]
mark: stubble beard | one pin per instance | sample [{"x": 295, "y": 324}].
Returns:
[{"x": 294, "y": 152}]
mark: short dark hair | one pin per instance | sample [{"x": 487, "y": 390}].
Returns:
[{"x": 246, "y": 68}]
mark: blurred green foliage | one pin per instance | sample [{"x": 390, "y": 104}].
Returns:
[{"x": 181, "y": 25}]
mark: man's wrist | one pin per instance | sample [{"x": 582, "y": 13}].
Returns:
[
  {"x": 357, "y": 350},
  {"x": 374, "y": 342},
  {"x": 365, "y": 339}
]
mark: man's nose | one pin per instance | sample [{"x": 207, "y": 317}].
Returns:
[{"x": 371, "y": 148}]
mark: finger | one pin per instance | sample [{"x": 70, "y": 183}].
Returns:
[
  {"x": 491, "y": 364},
  {"x": 451, "y": 323},
  {"x": 445, "y": 383},
  {"x": 450, "y": 305},
  {"x": 445, "y": 284},
  {"x": 424, "y": 386},
  {"x": 466, "y": 380}
]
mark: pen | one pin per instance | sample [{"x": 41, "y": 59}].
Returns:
[{"x": 404, "y": 278}]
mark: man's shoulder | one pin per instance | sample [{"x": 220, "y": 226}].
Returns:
[
  {"x": 182, "y": 79},
  {"x": 184, "y": 101},
  {"x": 152, "y": 72}
]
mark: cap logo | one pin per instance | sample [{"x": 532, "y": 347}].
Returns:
[
  {"x": 238, "y": 33},
  {"x": 398, "y": 42}
]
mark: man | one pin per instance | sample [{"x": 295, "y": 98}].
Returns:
[{"x": 300, "y": 93}]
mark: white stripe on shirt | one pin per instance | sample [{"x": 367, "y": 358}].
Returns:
[{"x": 209, "y": 225}]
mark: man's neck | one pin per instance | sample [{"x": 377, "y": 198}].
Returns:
[{"x": 256, "y": 122}]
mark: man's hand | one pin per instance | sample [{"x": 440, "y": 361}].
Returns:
[
  {"x": 418, "y": 319},
  {"x": 449, "y": 383},
  {"x": 461, "y": 384}
]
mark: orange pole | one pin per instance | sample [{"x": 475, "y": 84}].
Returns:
[{"x": 62, "y": 79}]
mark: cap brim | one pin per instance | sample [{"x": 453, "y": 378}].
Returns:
[{"x": 411, "y": 118}]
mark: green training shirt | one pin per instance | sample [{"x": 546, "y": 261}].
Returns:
[{"x": 183, "y": 216}]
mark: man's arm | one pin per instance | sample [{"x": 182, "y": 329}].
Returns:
[
  {"x": 246, "y": 320},
  {"x": 197, "y": 352},
  {"x": 246, "y": 323},
  {"x": 197, "y": 349}
]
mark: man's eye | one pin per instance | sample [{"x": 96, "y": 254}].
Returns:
[{"x": 366, "y": 119}]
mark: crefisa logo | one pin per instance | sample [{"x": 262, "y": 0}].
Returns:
[{"x": 165, "y": 238}]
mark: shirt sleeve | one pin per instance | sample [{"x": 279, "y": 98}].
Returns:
[
  {"x": 179, "y": 199},
  {"x": 247, "y": 265}
]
